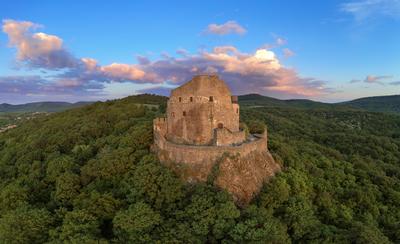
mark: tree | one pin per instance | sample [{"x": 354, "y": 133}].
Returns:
[
  {"x": 67, "y": 188},
  {"x": 79, "y": 226},
  {"x": 25, "y": 225},
  {"x": 256, "y": 126},
  {"x": 154, "y": 184},
  {"x": 13, "y": 196},
  {"x": 135, "y": 225},
  {"x": 258, "y": 225}
]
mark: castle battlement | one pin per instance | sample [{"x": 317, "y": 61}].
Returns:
[{"x": 201, "y": 127}]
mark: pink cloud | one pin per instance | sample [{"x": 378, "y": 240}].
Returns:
[
  {"x": 37, "y": 49},
  {"x": 376, "y": 79},
  {"x": 288, "y": 53},
  {"x": 229, "y": 27},
  {"x": 280, "y": 41},
  {"x": 123, "y": 71},
  {"x": 258, "y": 72}
]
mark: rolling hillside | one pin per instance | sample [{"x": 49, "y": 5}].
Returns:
[
  {"x": 259, "y": 100},
  {"x": 377, "y": 104},
  {"x": 374, "y": 104},
  {"x": 40, "y": 107},
  {"x": 87, "y": 175}
]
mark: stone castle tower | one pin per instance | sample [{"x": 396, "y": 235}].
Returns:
[
  {"x": 203, "y": 112},
  {"x": 201, "y": 131}
]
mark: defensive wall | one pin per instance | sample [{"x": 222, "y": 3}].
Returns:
[{"x": 201, "y": 156}]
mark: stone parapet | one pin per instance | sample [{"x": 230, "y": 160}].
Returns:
[
  {"x": 190, "y": 154},
  {"x": 225, "y": 137}
]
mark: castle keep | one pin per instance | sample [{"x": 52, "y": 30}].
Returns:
[
  {"x": 203, "y": 112},
  {"x": 201, "y": 129}
]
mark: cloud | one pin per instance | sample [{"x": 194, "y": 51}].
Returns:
[
  {"x": 280, "y": 41},
  {"x": 142, "y": 59},
  {"x": 365, "y": 9},
  {"x": 373, "y": 79},
  {"x": 40, "y": 50},
  {"x": 229, "y": 27},
  {"x": 395, "y": 83},
  {"x": 123, "y": 72},
  {"x": 258, "y": 72},
  {"x": 181, "y": 51},
  {"x": 288, "y": 53},
  {"x": 37, "y": 49},
  {"x": 21, "y": 84},
  {"x": 35, "y": 85}
]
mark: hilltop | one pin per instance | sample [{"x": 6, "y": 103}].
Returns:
[
  {"x": 87, "y": 175},
  {"x": 259, "y": 100},
  {"x": 40, "y": 107},
  {"x": 377, "y": 104},
  {"x": 374, "y": 104}
]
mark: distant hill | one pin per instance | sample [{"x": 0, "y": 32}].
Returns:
[
  {"x": 147, "y": 99},
  {"x": 40, "y": 107},
  {"x": 377, "y": 104},
  {"x": 374, "y": 104},
  {"x": 259, "y": 100}
]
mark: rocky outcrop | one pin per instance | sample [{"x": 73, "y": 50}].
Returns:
[
  {"x": 199, "y": 138},
  {"x": 241, "y": 169},
  {"x": 243, "y": 176}
]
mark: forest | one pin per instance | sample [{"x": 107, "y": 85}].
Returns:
[{"x": 86, "y": 175}]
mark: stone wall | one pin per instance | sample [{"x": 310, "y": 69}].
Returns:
[
  {"x": 242, "y": 169},
  {"x": 196, "y": 108},
  {"x": 224, "y": 137},
  {"x": 200, "y": 135},
  {"x": 201, "y": 158}
]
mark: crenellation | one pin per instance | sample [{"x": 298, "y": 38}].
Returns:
[{"x": 201, "y": 126}]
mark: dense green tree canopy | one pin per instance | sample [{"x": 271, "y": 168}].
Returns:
[{"x": 87, "y": 175}]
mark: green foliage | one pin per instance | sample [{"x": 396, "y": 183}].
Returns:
[
  {"x": 377, "y": 104},
  {"x": 13, "y": 196},
  {"x": 25, "y": 225},
  {"x": 341, "y": 168},
  {"x": 79, "y": 226},
  {"x": 256, "y": 126},
  {"x": 389, "y": 104},
  {"x": 154, "y": 184},
  {"x": 40, "y": 107},
  {"x": 67, "y": 188},
  {"x": 257, "y": 225},
  {"x": 135, "y": 225},
  {"x": 87, "y": 176}
]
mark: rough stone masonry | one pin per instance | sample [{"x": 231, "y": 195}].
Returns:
[{"x": 200, "y": 139}]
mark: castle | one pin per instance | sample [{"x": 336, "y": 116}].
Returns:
[{"x": 201, "y": 129}]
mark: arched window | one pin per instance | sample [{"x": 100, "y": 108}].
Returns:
[
  {"x": 191, "y": 99},
  {"x": 180, "y": 99},
  {"x": 184, "y": 113},
  {"x": 237, "y": 110},
  {"x": 220, "y": 125},
  {"x": 211, "y": 98}
]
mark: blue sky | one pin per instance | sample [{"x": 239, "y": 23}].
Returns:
[{"x": 95, "y": 50}]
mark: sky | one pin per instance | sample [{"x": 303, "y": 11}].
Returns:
[{"x": 72, "y": 51}]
